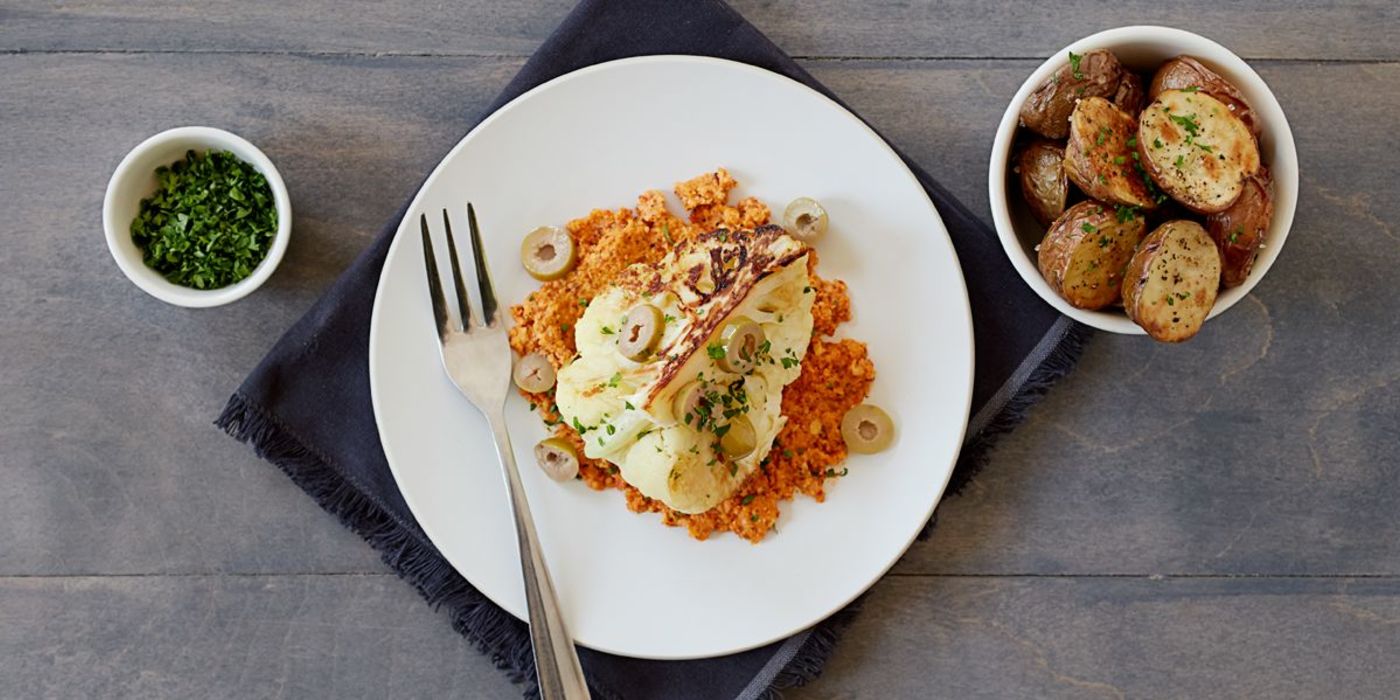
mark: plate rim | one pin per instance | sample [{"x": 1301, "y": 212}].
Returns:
[{"x": 683, "y": 59}]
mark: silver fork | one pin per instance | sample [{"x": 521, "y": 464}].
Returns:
[{"x": 478, "y": 359}]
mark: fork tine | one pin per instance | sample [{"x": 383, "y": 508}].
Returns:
[
  {"x": 457, "y": 274},
  {"x": 483, "y": 278},
  {"x": 434, "y": 284}
]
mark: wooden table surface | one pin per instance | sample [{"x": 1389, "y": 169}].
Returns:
[{"x": 1219, "y": 519}]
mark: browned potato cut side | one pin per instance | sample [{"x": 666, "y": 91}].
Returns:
[
  {"x": 1091, "y": 74},
  {"x": 1041, "y": 169},
  {"x": 1239, "y": 231},
  {"x": 1196, "y": 150},
  {"x": 1171, "y": 282},
  {"x": 1131, "y": 95},
  {"x": 1085, "y": 250},
  {"x": 1185, "y": 73},
  {"x": 1099, "y": 156}
]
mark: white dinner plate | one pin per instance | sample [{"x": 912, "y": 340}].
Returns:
[{"x": 599, "y": 137}]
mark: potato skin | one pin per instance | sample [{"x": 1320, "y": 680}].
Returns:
[
  {"x": 1185, "y": 72},
  {"x": 1048, "y": 107},
  {"x": 1083, "y": 254},
  {"x": 1098, "y": 157},
  {"x": 1041, "y": 169},
  {"x": 1131, "y": 95},
  {"x": 1172, "y": 281},
  {"x": 1239, "y": 231},
  {"x": 1196, "y": 150}
]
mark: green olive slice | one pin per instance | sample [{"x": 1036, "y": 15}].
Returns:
[
  {"x": 805, "y": 219},
  {"x": 689, "y": 402},
  {"x": 557, "y": 458},
  {"x": 742, "y": 338},
  {"x": 641, "y": 331},
  {"x": 867, "y": 429},
  {"x": 548, "y": 253},
  {"x": 739, "y": 438},
  {"x": 534, "y": 373}
]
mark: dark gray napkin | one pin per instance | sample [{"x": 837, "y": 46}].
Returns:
[{"x": 306, "y": 407}]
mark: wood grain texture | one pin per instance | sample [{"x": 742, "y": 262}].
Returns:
[
  {"x": 233, "y": 637},
  {"x": 1263, "y": 455},
  {"x": 1290, "y": 29},
  {"x": 1119, "y": 638}
]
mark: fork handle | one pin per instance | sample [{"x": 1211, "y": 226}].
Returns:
[{"x": 556, "y": 662}]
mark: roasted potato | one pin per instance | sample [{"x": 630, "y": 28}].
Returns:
[
  {"x": 1041, "y": 169},
  {"x": 1131, "y": 95},
  {"x": 1185, "y": 73},
  {"x": 1083, "y": 254},
  {"x": 1196, "y": 150},
  {"x": 1091, "y": 74},
  {"x": 1171, "y": 282},
  {"x": 1099, "y": 156},
  {"x": 1239, "y": 231}
]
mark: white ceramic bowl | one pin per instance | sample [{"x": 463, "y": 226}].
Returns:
[
  {"x": 135, "y": 179},
  {"x": 1143, "y": 49}
]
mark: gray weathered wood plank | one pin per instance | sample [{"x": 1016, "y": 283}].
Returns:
[
  {"x": 1248, "y": 450},
  {"x": 1119, "y": 638},
  {"x": 233, "y": 637},
  {"x": 833, "y": 28}
]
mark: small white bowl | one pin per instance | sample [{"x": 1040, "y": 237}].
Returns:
[
  {"x": 135, "y": 180},
  {"x": 1143, "y": 48}
]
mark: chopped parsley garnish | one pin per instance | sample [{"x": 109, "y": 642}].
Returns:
[
  {"x": 806, "y": 290},
  {"x": 1193, "y": 88},
  {"x": 1235, "y": 235},
  {"x": 583, "y": 303},
  {"x": 715, "y": 351},
  {"x": 666, "y": 231},
  {"x": 1207, "y": 149},
  {"x": 668, "y": 318},
  {"x": 833, "y": 473},
  {"x": 1156, "y": 143},
  {"x": 1180, "y": 161},
  {"x": 611, "y": 429},
  {"x": 1126, "y": 214},
  {"x": 1088, "y": 227},
  {"x": 1132, "y": 141},
  {"x": 788, "y": 362},
  {"x": 607, "y": 330},
  {"x": 1074, "y": 59},
  {"x": 1187, "y": 122},
  {"x": 1103, "y": 135},
  {"x": 1119, "y": 160},
  {"x": 628, "y": 405},
  {"x": 615, "y": 380},
  {"x": 1105, "y": 241},
  {"x": 747, "y": 499},
  {"x": 581, "y": 428},
  {"x": 1171, "y": 301},
  {"x": 787, "y": 453},
  {"x": 733, "y": 469},
  {"x": 209, "y": 223}
]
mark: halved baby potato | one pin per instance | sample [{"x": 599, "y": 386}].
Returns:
[
  {"x": 1239, "y": 231},
  {"x": 1099, "y": 156},
  {"x": 1171, "y": 282},
  {"x": 1131, "y": 95},
  {"x": 1090, "y": 74},
  {"x": 1085, "y": 250},
  {"x": 1041, "y": 169},
  {"x": 1187, "y": 73},
  {"x": 1196, "y": 150}
]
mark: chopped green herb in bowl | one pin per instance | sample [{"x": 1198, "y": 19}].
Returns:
[
  {"x": 197, "y": 216},
  {"x": 210, "y": 222}
]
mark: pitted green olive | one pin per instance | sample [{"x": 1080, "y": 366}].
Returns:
[
  {"x": 867, "y": 429},
  {"x": 739, "y": 438},
  {"x": 534, "y": 373},
  {"x": 548, "y": 253},
  {"x": 641, "y": 331},
  {"x": 557, "y": 458},
  {"x": 805, "y": 219},
  {"x": 742, "y": 338}
]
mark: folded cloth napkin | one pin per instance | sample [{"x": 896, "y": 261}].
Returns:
[{"x": 335, "y": 456}]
